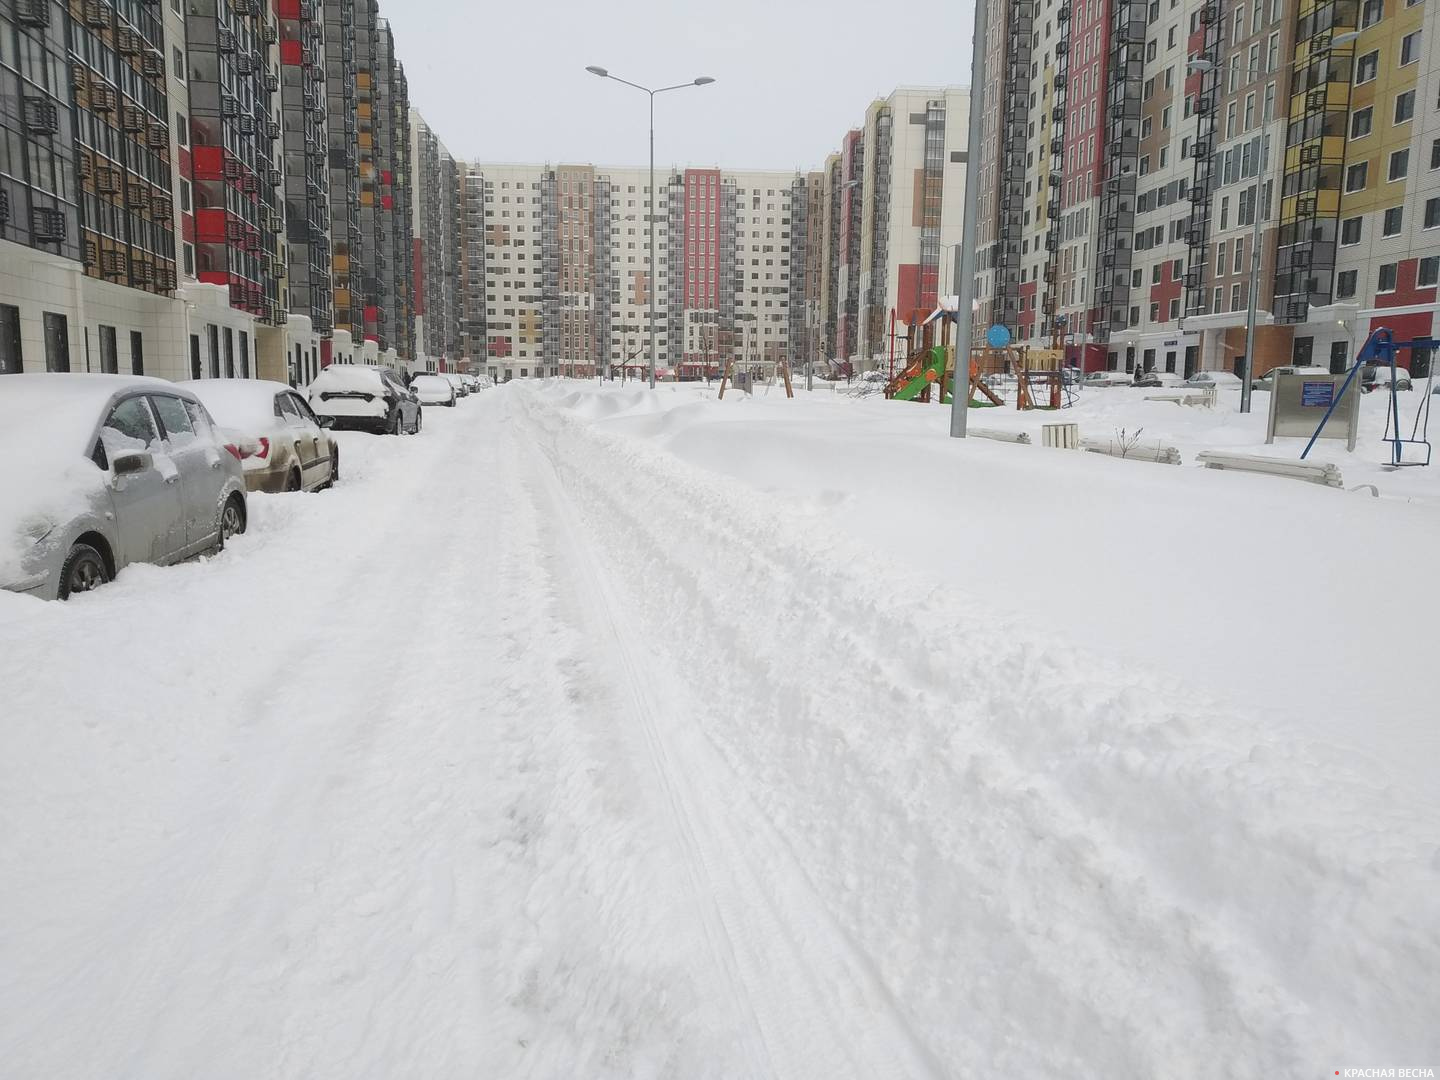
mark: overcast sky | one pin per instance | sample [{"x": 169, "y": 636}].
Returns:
[{"x": 506, "y": 80}]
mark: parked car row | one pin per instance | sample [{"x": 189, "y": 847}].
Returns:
[{"x": 107, "y": 470}]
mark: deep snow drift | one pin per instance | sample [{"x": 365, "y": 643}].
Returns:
[{"x": 540, "y": 747}]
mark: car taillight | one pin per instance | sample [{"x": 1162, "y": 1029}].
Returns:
[
  {"x": 235, "y": 451},
  {"x": 262, "y": 449}
]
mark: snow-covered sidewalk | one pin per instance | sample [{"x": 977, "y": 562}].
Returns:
[{"x": 540, "y": 748}]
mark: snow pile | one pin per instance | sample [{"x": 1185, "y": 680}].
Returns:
[{"x": 1056, "y": 864}]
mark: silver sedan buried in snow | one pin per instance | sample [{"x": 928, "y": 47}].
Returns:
[{"x": 101, "y": 471}]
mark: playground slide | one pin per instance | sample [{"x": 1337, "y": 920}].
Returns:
[{"x": 930, "y": 373}]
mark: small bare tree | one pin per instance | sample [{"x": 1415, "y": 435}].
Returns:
[{"x": 1127, "y": 441}]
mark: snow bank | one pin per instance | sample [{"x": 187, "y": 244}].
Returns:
[{"x": 1057, "y": 864}]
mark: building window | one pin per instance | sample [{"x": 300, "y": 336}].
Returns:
[
  {"x": 1387, "y": 277},
  {"x": 1404, "y": 106},
  {"x": 137, "y": 353},
  {"x": 1345, "y": 284},
  {"x": 109, "y": 361},
  {"x": 1372, "y": 11},
  {"x": 1410, "y": 48},
  {"x": 1350, "y": 231},
  {"x": 1428, "y": 272},
  {"x": 1399, "y": 165},
  {"x": 177, "y": 59},
  {"x": 1360, "y": 122},
  {"x": 1392, "y": 222},
  {"x": 1367, "y": 67},
  {"x": 1235, "y": 297},
  {"x": 10, "y": 357},
  {"x": 1432, "y": 213},
  {"x": 1356, "y": 176}
]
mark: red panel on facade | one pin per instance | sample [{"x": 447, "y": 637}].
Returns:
[
  {"x": 214, "y": 277},
  {"x": 326, "y": 351},
  {"x": 387, "y": 201},
  {"x": 210, "y": 225},
  {"x": 187, "y": 227},
  {"x": 915, "y": 293},
  {"x": 498, "y": 346},
  {"x": 182, "y": 162},
  {"x": 288, "y": 9},
  {"x": 1416, "y": 324},
  {"x": 292, "y": 52},
  {"x": 372, "y": 337},
  {"x": 372, "y": 313},
  {"x": 386, "y": 176},
  {"x": 419, "y": 264},
  {"x": 209, "y": 162}
]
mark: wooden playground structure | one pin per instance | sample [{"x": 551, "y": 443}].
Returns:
[{"x": 1038, "y": 373}]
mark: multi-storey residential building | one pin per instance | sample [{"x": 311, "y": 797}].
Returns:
[
  {"x": 566, "y": 259},
  {"x": 1201, "y": 149},
  {"x": 184, "y": 201},
  {"x": 807, "y": 251},
  {"x": 893, "y": 202},
  {"x": 470, "y": 267},
  {"x": 437, "y": 259}
]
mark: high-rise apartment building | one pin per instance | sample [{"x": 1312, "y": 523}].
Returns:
[
  {"x": 437, "y": 250},
  {"x": 885, "y": 210},
  {"x": 184, "y": 187},
  {"x": 564, "y": 252},
  {"x": 1147, "y": 163}
]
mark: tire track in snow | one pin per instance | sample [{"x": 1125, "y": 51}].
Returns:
[{"x": 817, "y": 1007}]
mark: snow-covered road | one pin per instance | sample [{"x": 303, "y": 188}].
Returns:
[{"x": 533, "y": 751}]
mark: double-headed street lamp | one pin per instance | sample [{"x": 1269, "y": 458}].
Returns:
[
  {"x": 1202, "y": 66},
  {"x": 703, "y": 80}
]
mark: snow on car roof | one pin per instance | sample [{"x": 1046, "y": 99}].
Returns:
[
  {"x": 238, "y": 401},
  {"x": 348, "y": 377},
  {"x": 430, "y": 379}
]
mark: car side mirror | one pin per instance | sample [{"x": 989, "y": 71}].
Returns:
[
  {"x": 327, "y": 421},
  {"x": 134, "y": 462}
]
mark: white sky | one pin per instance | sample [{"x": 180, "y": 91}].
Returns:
[{"x": 505, "y": 80}]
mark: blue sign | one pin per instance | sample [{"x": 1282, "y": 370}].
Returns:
[
  {"x": 1317, "y": 395},
  {"x": 998, "y": 336}
]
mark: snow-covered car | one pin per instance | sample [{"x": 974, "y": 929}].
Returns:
[
  {"x": 484, "y": 382},
  {"x": 283, "y": 445},
  {"x": 1153, "y": 379},
  {"x": 458, "y": 382},
  {"x": 1267, "y": 381},
  {"x": 434, "y": 390},
  {"x": 364, "y": 397},
  {"x": 102, "y": 471},
  {"x": 472, "y": 384},
  {"x": 1224, "y": 380},
  {"x": 1377, "y": 377},
  {"x": 1109, "y": 378}
]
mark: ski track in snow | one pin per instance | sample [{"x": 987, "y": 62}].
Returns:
[{"x": 531, "y": 751}]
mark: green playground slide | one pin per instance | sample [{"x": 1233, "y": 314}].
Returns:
[{"x": 934, "y": 367}]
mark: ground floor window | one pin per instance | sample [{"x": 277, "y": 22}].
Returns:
[
  {"x": 57, "y": 342},
  {"x": 10, "y": 361},
  {"x": 137, "y": 353}
]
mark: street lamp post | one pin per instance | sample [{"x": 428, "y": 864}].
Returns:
[
  {"x": 965, "y": 316},
  {"x": 703, "y": 80},
  {"x": 1203, "y": 66}
]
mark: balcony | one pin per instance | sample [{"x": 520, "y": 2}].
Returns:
[
  {"x": 128, "y": 42},
  {"x": 133, "y": 118},
  {"x": 152, "y": 64},
  {"x": 95, "y": 15}
]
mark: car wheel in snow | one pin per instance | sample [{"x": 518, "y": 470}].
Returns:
[
  {"x": 393, "y": 428},
  {"x": 232, "y": 520},
  {"x": 292, "y": 480},
  {"x": 334, "y": 466},
  {"x": 84, "y": 570}
]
